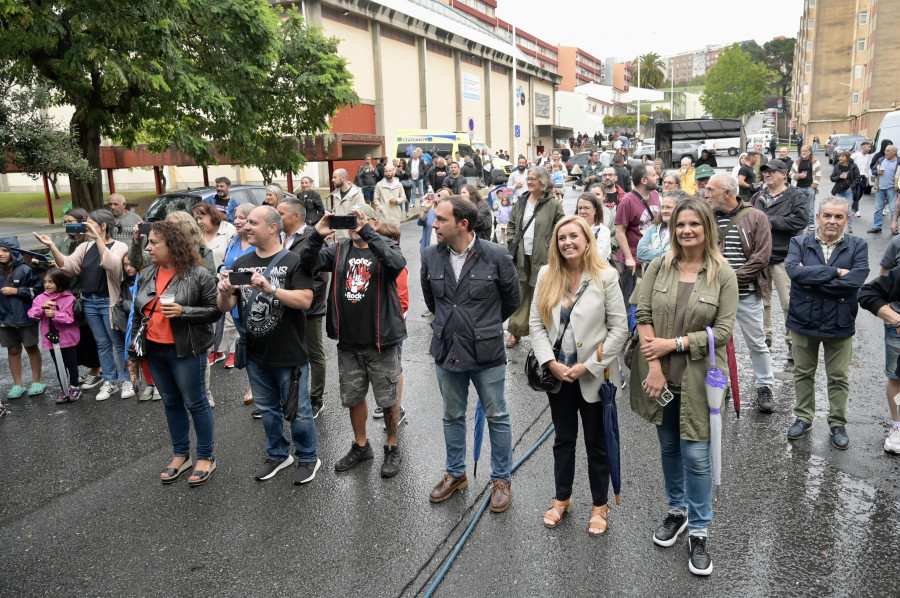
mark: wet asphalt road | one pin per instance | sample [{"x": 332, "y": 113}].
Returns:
[{"x": 82, "y": 512}]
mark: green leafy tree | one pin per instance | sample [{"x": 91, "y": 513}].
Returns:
[
  {"x": 239, "y": 76},
  {"x": 652, "y": 70},
  {"x": 756, "y": 52},
  {"x": 34, "y": 143},
  {"x": 780, "y": 62},
  {"x": 734, "y": 86}
]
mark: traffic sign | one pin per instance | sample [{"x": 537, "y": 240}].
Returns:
[
  {"x": 518, "y": 131},
  {"x": 471, "y": 124}
]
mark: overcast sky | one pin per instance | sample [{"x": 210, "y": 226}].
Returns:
[{"x": 624, "y": 28}]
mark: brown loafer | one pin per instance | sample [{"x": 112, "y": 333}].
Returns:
[
  {"x": 501, "y": 494},
  {"x": 447, "y": 486},
  {"x": 512, "y": 341}
]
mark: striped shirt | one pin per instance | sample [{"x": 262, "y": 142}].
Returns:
[{"x": 732, "y": 250}]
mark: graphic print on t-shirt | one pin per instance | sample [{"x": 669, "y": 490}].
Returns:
[
  {"x": 266, "y": 312},
  {"x": 359, "y": 273}
]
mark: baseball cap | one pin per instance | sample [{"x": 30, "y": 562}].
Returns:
[
  {"x": 704, "y": 171},
  {"x": 774, "y": 165},
  {"x": 367, "y": 210}
]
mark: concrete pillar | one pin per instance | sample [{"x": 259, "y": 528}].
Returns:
[
  {"x": 513, "y": 150},
  {"x": 457, "y": 89},
  {"x": 486, "y": 74},
  {"x": 313, "y": 11},
  {"x": 379, "y": 79},
  {"x": 422, "y": 50},
  {"x": 529, "y": 93}
]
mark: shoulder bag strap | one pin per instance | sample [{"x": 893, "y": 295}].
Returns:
[
  {"x": 562, "y": 332},
  {"x": 734, "y": 220},
  {"x": 159, "y": 295},
  {"x": 534, "y": 214}
]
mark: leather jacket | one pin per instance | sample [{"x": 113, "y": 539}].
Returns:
[{"x": 195, "y": 292}]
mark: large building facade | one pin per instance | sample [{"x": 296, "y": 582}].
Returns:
[
  {"x": 687, "y": 65},
  {"x": 846, "y": 71}
]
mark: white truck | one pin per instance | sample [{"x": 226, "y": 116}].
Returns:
[{"x": 731, "y": 145}]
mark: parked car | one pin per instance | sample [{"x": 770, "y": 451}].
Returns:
[
  {"x": 647, "y": 149},
  {"x": 186, "y": 199},
  {"x": 843, "y": 143},
  {"x": 690, "y": 149},
  {"x": 765, "y": 131}
]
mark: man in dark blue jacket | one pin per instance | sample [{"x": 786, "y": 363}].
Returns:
[
  {"x": 471, "y": 287},
  {"x": 826, "y": 269}
]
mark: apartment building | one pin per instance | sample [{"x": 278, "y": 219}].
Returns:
[
  {"x": 687, "y": 65},
  {"x": 577, "y": 67},
  {"x": 846, "y": 73}
]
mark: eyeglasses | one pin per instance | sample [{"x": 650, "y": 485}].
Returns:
[
  {"x": 610, "y": 176},
  {"x": 530, "y": 179}
]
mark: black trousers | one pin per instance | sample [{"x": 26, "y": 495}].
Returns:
[
  {"x": 564, "y": 408},
  {"x": 70, "y": 360}
]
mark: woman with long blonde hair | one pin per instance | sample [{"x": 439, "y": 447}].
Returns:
[
  {"x": 683, "y": 292},
  {"x": 578, "y": 325}
]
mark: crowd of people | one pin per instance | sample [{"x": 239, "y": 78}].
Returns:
[{"x": 652, "y": 268}]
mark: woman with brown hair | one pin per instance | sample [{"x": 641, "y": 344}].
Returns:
[
  {"x": 217, "y": 231},
  {"x": 578, "y": 328},
  {"x": 485, "y": 225},
  {"x": 174, "y": 309}
]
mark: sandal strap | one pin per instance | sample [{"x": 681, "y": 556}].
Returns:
[{"x": 557, "y": 510}]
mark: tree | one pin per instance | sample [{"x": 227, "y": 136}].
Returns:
[
  {"x": 780, "y": 62},
  {"x": 734, "y": 86},
  {"x": 34, "y": 143},
  {"x": 239, "y": 76},
  {"x": 757, "y": 54},
  {"x": 652, "y": 70}
]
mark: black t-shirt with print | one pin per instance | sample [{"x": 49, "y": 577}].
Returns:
[
  {"x": 276, "y": 334},
  {"x": 749, "y": 177},
  {"x": 358, "y": 298}
]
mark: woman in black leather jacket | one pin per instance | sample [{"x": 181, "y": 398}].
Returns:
[{"x": 176, "y": 305}]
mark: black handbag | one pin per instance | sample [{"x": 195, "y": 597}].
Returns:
[{"x": 540, "y": 378}]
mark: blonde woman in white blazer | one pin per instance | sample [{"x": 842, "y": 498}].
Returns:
[{"x": 597, "y": 320}]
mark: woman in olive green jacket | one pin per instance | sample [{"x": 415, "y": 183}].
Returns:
[
  {"x": 530, "y": 246},
  {"x": 684, "y": 291}
]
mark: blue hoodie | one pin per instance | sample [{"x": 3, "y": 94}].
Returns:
[{"x": 14, "y": 308}]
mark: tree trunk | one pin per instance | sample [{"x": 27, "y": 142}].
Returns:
[
  {"x": 54, "y": 176},
  {"x": 87, "y": 194}
]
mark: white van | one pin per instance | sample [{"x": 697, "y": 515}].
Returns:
[{"x": 889, "y": 129}]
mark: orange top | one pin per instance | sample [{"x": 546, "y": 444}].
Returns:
[{"x": 160, "y": 328}]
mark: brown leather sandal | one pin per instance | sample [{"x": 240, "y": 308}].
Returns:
[
  {"x": 556, "y": 511},
  {"x": 598, "y": 522}
]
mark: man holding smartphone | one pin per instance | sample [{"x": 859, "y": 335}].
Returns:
[
  {"x": 365, "y": 318},
  {"x": 272, "y": 311}
]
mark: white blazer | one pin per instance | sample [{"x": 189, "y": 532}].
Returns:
[{"x": 599, "y": 317}]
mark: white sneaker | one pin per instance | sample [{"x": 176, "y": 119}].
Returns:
[
  {"x": 858, "y": 214},
  {"x": 148, "y": 393},
  {"x": 127, "y": 390},
  {"x": 892, "y": 442},
  {"x": 106, "y": 390},
  {"x": 156, "y": 395}
]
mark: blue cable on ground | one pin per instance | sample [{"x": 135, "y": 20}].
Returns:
[{"x": 484, "y": 505}]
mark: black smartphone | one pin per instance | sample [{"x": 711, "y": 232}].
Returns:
[
  {"x": 239, "y": 278},
  {"x": 144, "y": 228},
  {"x": 76, "y": 227},
  {"x": 345, "y": 222}
]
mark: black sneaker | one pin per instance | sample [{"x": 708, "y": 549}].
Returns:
[
  {"x": 874, "y": 231},
  {"x": 700, "y": 563},
  {"x": 271, "y": 467},
  {"x": 89, "y": 381},
  {"x": 357, "y": 455},
  {"x": 256, "y": 414},
  {"x": 317, "y": 407},
  {"x": 672, "y": 526},
  {"x": 764, "y": 401},
  {"x": 769, "y": 342},
  {"x": 798, "y": 429},
  {"x": 392, "y": 459},
  {"x": 306, "y": 472},
  {"x": 839, "y": 438}
]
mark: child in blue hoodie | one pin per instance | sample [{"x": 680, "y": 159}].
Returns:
[{"x": 19, "y": 285}]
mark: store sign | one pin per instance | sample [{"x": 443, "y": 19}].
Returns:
[{"x": 471, "y": 87}]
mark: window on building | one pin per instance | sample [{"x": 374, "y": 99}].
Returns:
[
  {"x": 499, "y": 68},
  {"x": 812, "y": 3},
  {"x": 808, "y": 68},
  {"x": 863, "y": 18},
  {"x": 856, "y": 97},
  {"x": 440, "y": 49},
  {"x": 805, "y": 110},
  {"x": 805, "y": 88},
  {"x": 809, "y": 46},
  {"x": 334, "y": 14},
  {"x": 474, "y": 60},
  {"x": 397, "y": 35},
  {"x": 858, "y": 72},
  {"x": 861, "y": 44},
  {"x": 811, "y": 24}
]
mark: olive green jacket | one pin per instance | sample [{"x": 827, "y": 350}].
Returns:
[
  {"x": 543, "y": 226},
  {"x": 713, "y": 303}
]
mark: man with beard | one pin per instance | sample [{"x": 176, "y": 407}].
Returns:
[
  {"x": 634, "y": 215},
  {"x": 222, "y": 200},
  {"x": 437, "y": 174},
  {"x": 517, "y": 178}
]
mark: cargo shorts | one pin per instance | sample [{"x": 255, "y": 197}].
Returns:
[{"x": 361, "y": 365}]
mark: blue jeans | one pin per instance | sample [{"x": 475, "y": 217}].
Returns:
[
  {"x": 810, "y": 194},
  {"x": 418, "y": 190},
  {"x": 180, "y": 384},
  {"x": 269, "y": 384},
  {"x": 687, "y": 470},
  {"x": 489, "y": 385},
  {"x": 883, "y": 197},
  {"x": 110, "y": 345},
  {"x": 848, "y": 195}
]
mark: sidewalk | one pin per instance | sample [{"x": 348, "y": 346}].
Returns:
[{"x": 23, "y": 227}]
